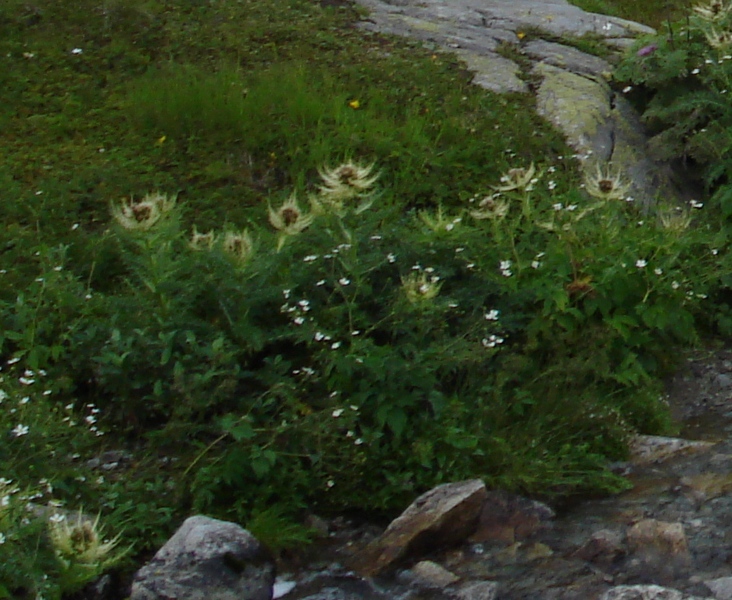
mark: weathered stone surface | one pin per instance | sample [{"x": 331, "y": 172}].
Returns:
[
  {"x": 659, "y": 543},
  {"x": 443, "y": 516},
  {"x": 509, "y": 518},
  {"x": 647, "y": 449},
  {"x": 566, "y": 58},
  {"x": 645, "y": 592},
  {"x": 207, "y": 559},
  {"x": 477, "y": 590},
  {"x": 721, "y": 587},
  {"x": 428, "y": 574},
  {"x": 599, "y": 124},
  {"x": 603, "y": 547}
]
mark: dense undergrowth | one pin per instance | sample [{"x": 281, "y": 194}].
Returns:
[{"x": 271, "y": 264}]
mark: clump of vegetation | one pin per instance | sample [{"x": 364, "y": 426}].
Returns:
[{"x": 275, "y": 287}]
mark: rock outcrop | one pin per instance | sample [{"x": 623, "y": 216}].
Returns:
[
  {"x": 207, "y": 559},
  {"x": 571, "y": 86}
]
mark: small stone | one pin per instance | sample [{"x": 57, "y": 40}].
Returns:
[
  {"x": 477, "y": 590},
  {"x": 429, "y": 574},
  {"x": 603, "y": 547}
]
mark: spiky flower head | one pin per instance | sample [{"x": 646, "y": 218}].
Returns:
[
  {"x": 713, "y": 11},
  {"x": 348, "y": 180},
  {"x": 491, "y": 207},
  {"x": 239, "y": 244},
  {"x": 419, "y": 288},
  {"x": 78, "y": 541},
  {"x": 142, "y": 214},
  {"x": 519, "y": 178},
  {"x": 202, "y": 241},
  {"x": 721, "y": 40},
  {"x": 606, "y": 185},
  {"x": 438, "y": 222},
  {"x": 674, "y": 219},
  {"x": 289, "y": 219}
]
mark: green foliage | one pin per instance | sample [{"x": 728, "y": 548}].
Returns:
[
  {"x": 453, "y": 324},
  {"x": 684, "y": 76}
]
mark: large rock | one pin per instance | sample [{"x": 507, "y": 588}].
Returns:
[
  {"x": 649, "y": 449},
  {"x": 572, "y": 93},
  {"x": 207, "y": 559},
  {"x": 646, "y": 592},
  {"x": 443, "y": 516}
]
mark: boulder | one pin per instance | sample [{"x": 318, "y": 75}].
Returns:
[
  {"x": 207, "y": 559},
  {"x": 646, "y": 592},
  {"x": 444, "y": 516}
]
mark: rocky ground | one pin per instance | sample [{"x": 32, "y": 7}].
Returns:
[{"x": 673, "y": 530}]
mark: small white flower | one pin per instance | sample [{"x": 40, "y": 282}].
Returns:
[
  {"x": 3, "y": 395},
  {"x": 57, "y": 518},
  {"x": 20, "y": 430},
  {"x": 310, "y": 258},
  {"x": 358, "y": 442},
  {"x": 391, "y": 257},
  {"x": 344, "y": 281},
  {"x": 26, "y": 381},
  {"x": 298, "y": 320},
  {"x": 319, "y": 337},
  {"x": 552, "y": 184},
  {"x": 2, "y": 538},
  {"x": 335, "y": 345},
  {"x": 337, "y": 412},
  {"x": 658, "y": 271},
  {"x": 715, "y": 251},
  {"x": 572, "y": 207},
  {"x": 640, "y": 263},
  {"x": 676, "y": 285},
  {"x": 696, "y": 204},
  {"x": 25, "y": 400},
  {"x": 695, "y": 71},
  {"x": 535, "y": 264},
  {"x": 321, "y": 282},
  {"x": 77, "y": 51},
  {"x": 627, "y": 88},
  {"x": 557, "y": 206},
  {"x": 492, "y": 315},
  {"x": 12, "y": 361}
]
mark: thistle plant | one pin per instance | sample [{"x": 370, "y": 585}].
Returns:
[
  {"x": 289, "y": 219},
  {"x": 141, "y": 215},
  {"x": 346, "y": 184},
  {"x": 81, "y": 550},
  {"x": 604, "y": 184}
]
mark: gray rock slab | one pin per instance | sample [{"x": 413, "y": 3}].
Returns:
[
  {"x": 566, "y": 57},
  {"x": 207, "y": 559},
  {"x": 443, "y": 516},
  {"x": 721, "y": 588},
  {"x": 646, "y": 592}
]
